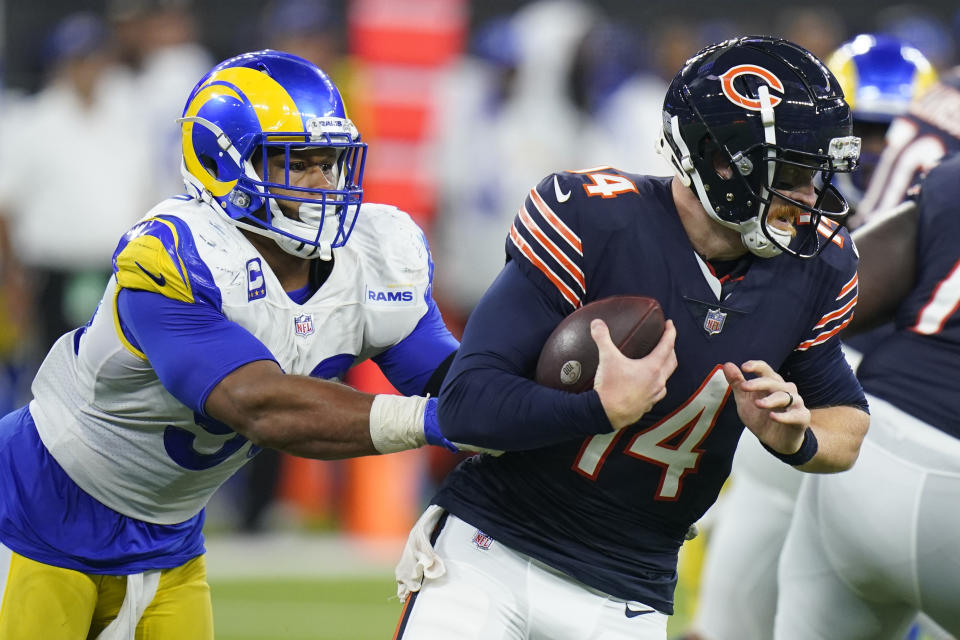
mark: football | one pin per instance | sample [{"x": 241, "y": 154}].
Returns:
[{"x": 569, "y": 358}]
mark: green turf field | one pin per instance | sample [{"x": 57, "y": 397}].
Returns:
[{"x": 302, "y": 609}]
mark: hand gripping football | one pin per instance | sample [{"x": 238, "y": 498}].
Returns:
[{"x": 569, "y": 358}]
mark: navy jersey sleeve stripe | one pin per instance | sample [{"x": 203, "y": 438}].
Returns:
[
  {"x": 527, "y": 252},
  {"x": 191, "y": 347},
  {"x": 410, "y": 363},
  {"x": 817, "y": 365},
  {"x": 546, "y": 245},
  {"x": 835, "y": 318},
  {"x": 549, "y": 242}
]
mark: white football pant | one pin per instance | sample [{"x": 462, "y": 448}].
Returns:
[
  {"x": 869, "y": 548},
  {"x": 490, "y": 592}
]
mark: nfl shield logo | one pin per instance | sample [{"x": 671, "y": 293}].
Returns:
[
  {"x": 482, "y": 540},
  {"x": 714, "y": 321},
  {"x": 303, "y": 324}
]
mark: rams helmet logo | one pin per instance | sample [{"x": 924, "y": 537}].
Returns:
[{"x": 734, "y": 96}]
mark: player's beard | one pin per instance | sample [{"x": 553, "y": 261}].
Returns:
[{"x": 783, "y": 215}]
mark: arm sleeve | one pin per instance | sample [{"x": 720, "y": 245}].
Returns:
[
  {"x": 824, "y": 377},
  {"x": 410, "y": 364},
  {"x": 191, "y": 347},
  {"x": 817, "y": 366},
  {"x": 489, "y": 398}
]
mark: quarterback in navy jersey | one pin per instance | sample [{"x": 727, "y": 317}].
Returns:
[{"x": 574, "y": 531}]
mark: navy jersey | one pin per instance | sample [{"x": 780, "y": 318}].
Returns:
[
  {"x": 917, "y": 367},
  {"x": 916, "y": 142},
  {"x": 611, "y": 509}
]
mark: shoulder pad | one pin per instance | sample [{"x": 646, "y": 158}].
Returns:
[
  {"x": 549, "y": 229},
  {"x": 159, "y": 255},
  {"x": 841, "y": 252},
  {"x": 392, "y": 239}
]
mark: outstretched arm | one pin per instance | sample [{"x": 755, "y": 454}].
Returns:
[
  {"x": 219, "y": 369},
  {"x": 297, "y": 414}
]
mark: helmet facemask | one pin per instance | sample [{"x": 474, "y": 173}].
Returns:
[{"x": 324, "y": 216}]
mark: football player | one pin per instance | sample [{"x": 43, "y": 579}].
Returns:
[
  {"x": 915, "y": 142},
  {"x": 869, "y": 549},
  {"x": 574, "y": 532},
  {"x": 879, "y": 76},
  {"x": 232, "y": 313}
]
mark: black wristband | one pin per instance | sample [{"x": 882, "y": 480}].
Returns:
[{"x": 803, "y": 455}]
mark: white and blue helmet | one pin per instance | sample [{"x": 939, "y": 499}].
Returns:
[
  {"x": 880, "y": 75},
  {"x": 270, "y": 102}
]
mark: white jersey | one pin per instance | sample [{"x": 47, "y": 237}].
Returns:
[{"x": 103, "y": 413}]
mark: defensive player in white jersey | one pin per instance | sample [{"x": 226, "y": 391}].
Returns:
[
  {"x": 879, "y": 76},
  {"x": 231, "y": 315}
]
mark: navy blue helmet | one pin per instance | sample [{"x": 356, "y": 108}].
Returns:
[{"x": 751, "y": 118}]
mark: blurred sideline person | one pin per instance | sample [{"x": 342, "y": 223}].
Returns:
[
  {"x": 738, "y": 590},
  {"x": 574, "y": 532},
  {"x": 158, "y": 41},
  {"x": 311, "y": 29},
  {"x": 869, "y": 549},
  {"x": 231, "y": 315},
  {"x": 553, "y": 66},
  {"x": 59, "y": 228}
]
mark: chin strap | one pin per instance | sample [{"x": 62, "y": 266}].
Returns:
[
  {"x": 293, "y": 246},
  {"x": 758, "y": 243}
]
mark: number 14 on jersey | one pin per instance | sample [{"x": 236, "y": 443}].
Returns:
[{"x": 693, "y": 421}]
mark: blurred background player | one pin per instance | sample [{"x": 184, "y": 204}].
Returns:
[
  {"x": 554, "y": 65},
  {"x": 574, "y": 532},
  {"x": 879, "y": 77},
  {"x": 158, "y": 43},
  {"x": 855, "y": 567},
  {"x": 232, "y": 315},
  {"x": 916, "y": 142}
]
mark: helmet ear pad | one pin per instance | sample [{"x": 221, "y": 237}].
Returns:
[{"x": 733, "y": 194}]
